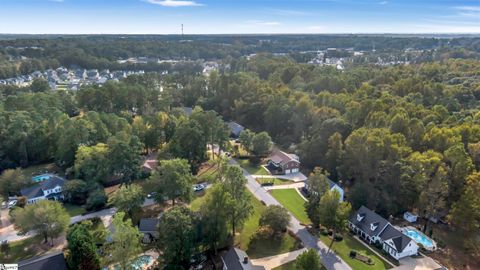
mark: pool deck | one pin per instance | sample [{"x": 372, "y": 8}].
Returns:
[{"x": 434, "y": 244}]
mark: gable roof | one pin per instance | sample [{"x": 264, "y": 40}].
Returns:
[
  {"x": 52, "y": 261},
  {"x": 399, "y": 239},
  {"x": 235, "y": 128},
  {"x": 148, "y": 224},
  {"x": 38, "y": 188},
  {"x": 233, "y": 260},
  {"x": 369, "y": 218},
  {"x": 283, "y": 158}
]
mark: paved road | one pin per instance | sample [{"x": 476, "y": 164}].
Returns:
[
  {"x": 329, "y": 259},
  {"x": 101, "y": 214}
]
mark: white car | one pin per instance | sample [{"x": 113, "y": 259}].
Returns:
[
  {"x": 12, "y": 204},
  {"x": 198, "y": 187}
]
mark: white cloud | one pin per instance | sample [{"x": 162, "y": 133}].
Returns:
[
  {"x": 263, "y": 23},
  {"x": 469, "y": 8},
  {"x": 383, "y": 3},
  {"x": 289, "y": 12},
  {"x": 174, "y": 3}
]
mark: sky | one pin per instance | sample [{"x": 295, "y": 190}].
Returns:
[{"x": 238, "y": 16}]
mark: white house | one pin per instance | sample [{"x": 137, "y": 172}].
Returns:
[
  {"x": 50, "y": 189},
  {"x": 371, "y": 227}
]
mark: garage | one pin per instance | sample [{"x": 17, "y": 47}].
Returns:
[
  {"x": 295, "y": 170},
  {"x": 287, "y": 171}
]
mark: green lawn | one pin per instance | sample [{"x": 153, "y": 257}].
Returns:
[
  {"x": 24, "y": 249},
  {"x": 275, "y": 181},
  {"x": 258, "y": 248},
  {"x": 40, "y": 169},
  {"x": 74, "y": 210},
  {"x": 349, "y": 243},
  {"x": 208, "y": 175},
  {"x": 252, "y": 169},
  {"x": 287, "y": 266},
  {"x": 291, "y": 200},
  {"x": 198, "y": 199}
]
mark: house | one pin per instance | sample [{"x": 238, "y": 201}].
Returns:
[
  {"x": 235, "y": 129},
  {"x": 408, "y": 216},
  {"x": 48, "y": 189},
  {"x": 282, "y": 163},
  {"x": 237, "y": 259},
  {"x": 373, "y": 228},
  {"x": 52, "y": 261},
  {"x": 333, "y": 186},
  {"x": 149, "y": 228}
]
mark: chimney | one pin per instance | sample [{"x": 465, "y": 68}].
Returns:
[{"x": 245, "y": 260}]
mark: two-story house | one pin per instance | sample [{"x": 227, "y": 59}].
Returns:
[
  {"x": 48, "y": 189},
  {"x": 282, "y": 163}
]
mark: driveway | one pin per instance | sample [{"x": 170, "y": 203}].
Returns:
[
  {"x": 101, "y": 214},
  {"x": 289, "y": 186},
  {"x": 424, "y": 263},
  {"x": 277, "y": 260},
  {"x": 295, "y": 177},
  {"x": 330, "y": 260}
]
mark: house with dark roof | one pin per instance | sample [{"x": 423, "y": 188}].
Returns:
[
  {"x": 333, "y": 186},
  {"x": 149, "y": 228},
  {"x": 373, "y": 228},
  {"x": 235, "y": 129},
  {"x": 52, "y": 261},
  {"x": 237, "y": 259},
  {"x": 282, "y": 163},
  {"x": 48, "y": 189}
]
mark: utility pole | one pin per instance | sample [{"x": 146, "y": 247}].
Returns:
[{"x": 182, "y": 30}]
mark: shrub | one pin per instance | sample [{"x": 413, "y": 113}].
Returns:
[
  {"x": 338, "y": 237},
  {"x": 323, "y": 231},
  {"x": 353, "y": 254}
]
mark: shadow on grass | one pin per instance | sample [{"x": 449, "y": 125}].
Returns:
[{"x": 264, "y": 244}]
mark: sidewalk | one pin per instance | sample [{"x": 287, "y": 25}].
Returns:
[
  {"x": 295, "y": 177},
  {"x": 289, "y": 186},
  {"x": 277, "y": 260}
]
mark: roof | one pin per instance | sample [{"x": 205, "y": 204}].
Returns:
[
  {"x": 369, "y": 218},
  {"x": 331, "y": 183},
  {"x": 52, "y": 261},
  {"x": 235, "y": 128},
  {"x": 148, "y": 224},
  {"x": 283, "y": 158},
  {"x": 399, "y": 239},
  {"x": 233, "y": 260},
  {"x": 38, "y": 188},
  {"x": 187, "y": 110}
]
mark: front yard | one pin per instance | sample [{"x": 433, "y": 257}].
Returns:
[
  {"x": 252, "y": 168},
  {"x": 273, "y": 181},
  {"x": 74, "y": 210},
  {"x": 27, "y": 248},
  {"x": 293, "y": 202}
]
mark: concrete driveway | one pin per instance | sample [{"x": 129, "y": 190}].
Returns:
[
  {"x": 424, "y": 263},
  {"x": 295, "y": 177}
]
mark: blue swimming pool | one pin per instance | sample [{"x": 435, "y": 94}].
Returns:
[
  {"x": 41, "y": 177},
  {"x": 420, "y": 238},
  {"x": 138, "y": 264}
]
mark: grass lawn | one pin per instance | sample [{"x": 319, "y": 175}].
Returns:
[
  {"x": 74, "y": 210},
  {"x": 258, "y": 248},
  {"x": 349, "y": 243},
  {"x": 275, "y": 181},
  {"x": 287, "y": 266},
  {"x": 42, "y": 168},
  {"x": 252, "y": 169},
  {"x": 198, "y": 199},
  {"x": 24, "y": 249},
  {"x": 207, "y": 175},
  {"x": 291, "y": 200}
]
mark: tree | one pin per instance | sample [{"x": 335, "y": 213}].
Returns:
[
  {"x": 333, "y": 213},
  {"x": 334, "y": 155},
  {"x": 92, "y": 163},
  {"x": 433, "y": 195},
  {"x": 246, "y": 139},
  {"x": 5, "y": 248},
  {"x": 11, "y": 181},
  {"x": 213, "y": 127},
  {"x": 82, "y": 249},
  {"x": 39, "y": 85},
  {"x": 308, "y": 260},
  {"x": 49, "y": 218},
  {"x": 124, "y": 155},
  {"x": 214, "y": 213},
  {"x": 317, "y": 186},
  {"x": 189, "y": 142},
  {"x": 75, "y": 191},
  {"x": 241, "y": 208},
  {"x": 261, "y": 144},
  {"x": 176, "y": 236},
  {"x": 128, "y": 199},
  {"x": 96, "y": 199},
  {"x": 126, "y": 239},
  {"x": 172, "y": 180},
  {"x": 276, "y": 218},
  {"x": 461, "y": 166}
]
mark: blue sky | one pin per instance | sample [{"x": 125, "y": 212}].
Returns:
[{"x": 238, "y": 16}]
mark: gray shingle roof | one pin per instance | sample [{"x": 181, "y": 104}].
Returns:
[
  {"x": 233, "y": 260},
  {"x": 235, "y": 128},
  {"x": 37, "y": 189},
  {"x": 148, "y": 224},
  {"x": 52, "y": 261},
  {"x": 369, "y": 217},
  {"x": 399, "y": 239}
]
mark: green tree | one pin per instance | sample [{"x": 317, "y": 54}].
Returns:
[
  {"x": 75, "y": 191},
  {"x": 82, "y": 251},
  {"x": 317, "y": 186},
  {"x": 333, "y": 213},
  {"x": 276, "y": 218},
  {"x": 48, "y": 218},
  {"x": 241, "y": 208},
  {"x": 461, "y": 166},
  {"x": 128, "y": 199},
  {"x": 39, "y": 85},
  {"x": 189, "y": 142},
  {"x": 96, "y": 199},
  {"x": 92, "y": 163},
  {"x": 214, "y": 212},
  {"x": 11, "y": 181},
  {"x": 261, "y": 144},
  {"x": 172, "y": 180},
  {"x": 124, "y": 155},
  {"x": 246, "y": 139},
  {"x": 308, "y": 260},
  {"x": 334, "y": 155},
  {"x": 213, "y": 128},
  {"x": 176, "y": 236},
  {"x": 125, "y": 244}
]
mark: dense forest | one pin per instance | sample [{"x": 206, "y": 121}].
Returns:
[{"x": 398, "y": 138}]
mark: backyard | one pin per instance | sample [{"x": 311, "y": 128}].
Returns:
[
  {"x": 293, "y": 202},
  {"x": 41, "y": 169},
  {"x": 252, "y": 168}
]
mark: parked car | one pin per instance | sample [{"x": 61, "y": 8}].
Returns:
[
  {"x": 12, "y": 204},
  {"x": 151, "y": 195},
  {"x": 198, "y": 187}
]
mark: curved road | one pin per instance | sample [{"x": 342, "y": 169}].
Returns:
[{"x": 329, "y": 259}]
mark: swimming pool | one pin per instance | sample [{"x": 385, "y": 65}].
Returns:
[
  {"x": 41, "y": 177},
  {"x": 137, "y": 264},
  {"x": 420, "y": 238}
]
